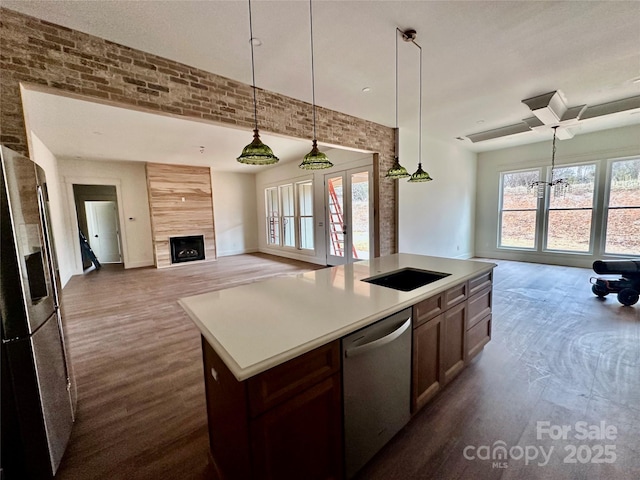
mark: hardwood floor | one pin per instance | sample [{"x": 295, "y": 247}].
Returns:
[
  {"x": 558, "y": 354},
  {"x": 138, "y": 365}
]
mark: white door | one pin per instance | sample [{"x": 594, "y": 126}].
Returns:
[
  {"x": 349, "y": 212},
  {"x": 102, "y": 223}
]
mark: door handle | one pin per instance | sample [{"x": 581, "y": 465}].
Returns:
[
  {"x": 96, "y": 236},
  {"x": 360, "y": 349}
]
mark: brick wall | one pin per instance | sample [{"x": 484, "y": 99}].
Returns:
[{"x": 34, "y": 51}]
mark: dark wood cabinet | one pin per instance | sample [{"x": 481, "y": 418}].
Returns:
[
  {"x": 285, "y": 423},
  {"x": 449, "y": 329},
  {"x": 426, "y": 362},
  {"x": 300, "y": 435},
  {"x": 479, "y": 321},
  {"x": 454, "y": 323}
]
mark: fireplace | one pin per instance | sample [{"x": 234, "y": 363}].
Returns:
[{"x": 187, "y": 249}]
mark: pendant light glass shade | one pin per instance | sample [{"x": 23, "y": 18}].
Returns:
[
  {"x": 420, "y": 175},
  {"x": 315, "y": 159},
  {"x": 397, "y": 170},
  {"x": 257, "y": 153}
]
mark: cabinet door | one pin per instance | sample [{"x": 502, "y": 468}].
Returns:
[
  {"x": 302, "y": 437},
  {"x": 426, "y": 381},
  {"x": 227, "y": 414},
  {"x": 453, "y": 341}
]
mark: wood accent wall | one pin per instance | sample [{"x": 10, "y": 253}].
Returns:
[{"x": 181, "y": 204}]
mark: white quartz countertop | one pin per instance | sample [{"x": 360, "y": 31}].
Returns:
[{"x": 257, "y": 326}]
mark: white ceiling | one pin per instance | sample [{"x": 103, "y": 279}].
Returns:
[
  {"x": 73, "y": 128},
  {"x": 481, "y": 58}
]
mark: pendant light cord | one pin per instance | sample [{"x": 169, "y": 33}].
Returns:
[
  {"x": 553, "y": 154},
  {"x": 397, "y": 30},
  {"x": 420, "y": 114},
  {"x": 313, "y": 82},
  {"x": 253, "y": 70}
]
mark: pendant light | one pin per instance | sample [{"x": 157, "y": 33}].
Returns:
[
  {"x": 559, "y": 185},
  {"x": 315, "y": 159},
  {"x": 397, "y": 170},
  {"x": 256, "y": 153},
  {"x": 420, "y": 175}
]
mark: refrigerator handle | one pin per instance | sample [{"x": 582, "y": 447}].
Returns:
[
  {"x": 44, "y": 222},
  {"x": 63, "y": 344}
]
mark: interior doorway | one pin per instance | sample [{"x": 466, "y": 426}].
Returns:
[
  {"x": 98, "y": 221},
  {"x": 349, "y": 215}
]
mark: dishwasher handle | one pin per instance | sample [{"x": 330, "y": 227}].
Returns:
[{"x": 360, "y": 349}]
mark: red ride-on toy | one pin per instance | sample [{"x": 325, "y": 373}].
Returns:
[{"x": 627, "y": 287}]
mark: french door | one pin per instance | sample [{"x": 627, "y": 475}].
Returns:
[{"x": 349, "y": 215}]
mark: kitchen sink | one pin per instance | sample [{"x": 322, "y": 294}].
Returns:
[{"x": 406, "y": 279}]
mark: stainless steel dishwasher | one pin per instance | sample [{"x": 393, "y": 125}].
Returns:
[{"x": 376, "y": 362}]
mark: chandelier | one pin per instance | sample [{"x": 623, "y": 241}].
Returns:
[{"x": 559, "y": 185}]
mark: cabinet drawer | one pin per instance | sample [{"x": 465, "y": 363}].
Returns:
[
  {"x": 478, "y": 336},
  {"x": 284, "y": 381},
  {"x": 427, "y": 309},
  {"x": 455, "y": 295},
  {"x": 479, "y": 307},
  {"x": 480, "y": 282}
]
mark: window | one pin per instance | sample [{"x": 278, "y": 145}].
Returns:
[
  {"x": 289, "y": 214},
  {"x": 273, "y": 218},
  {"x": 518, "y": 210},
  {"x": 569, "y": 212},
  {"x": 305, "y": 208},
  {"x": 623, "y": 209}
]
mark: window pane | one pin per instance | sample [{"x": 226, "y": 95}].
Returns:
[
  {"x": 305, "y": 197},
  {"x": 273, "y": 221},
  {"x": 579, "y": 194},
  {"x": 306, "y": 232},
  {"x": 336, "y": 207},
  {"x": 625, "y": 184},
  {"x": 518, "y": 229},
  {"x": 516, "y": 194},
  {"x": 623, "y": 231},
  {"x": 360, "y": 214},
  {"x": 569, "y": 230},
  {"x": 305, "y": 203},
  {"x": 286, "y": 193}
]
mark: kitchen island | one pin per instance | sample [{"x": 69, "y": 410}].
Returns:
[{"x": 272, "y": 356}]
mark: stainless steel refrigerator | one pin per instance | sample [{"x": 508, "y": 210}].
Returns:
[{"x": 38, "y": 393}]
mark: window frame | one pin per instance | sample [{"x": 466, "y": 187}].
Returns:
[
  {"x": 501, "y": 210},
  {"x": 606, "y": 207},
  {"x": 281, "y": 217},
  {"x": 299, "y": 216},
  {"x": 547, "y": 209}
]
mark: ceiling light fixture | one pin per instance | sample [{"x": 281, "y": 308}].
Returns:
[
  {"x": 315, "y": 159},
  {"x": 559, "y": 185},
  {"x": 256, "y": 153},
  {"x": 397, "y": 170},
  {"x": 419, "y": 175}
]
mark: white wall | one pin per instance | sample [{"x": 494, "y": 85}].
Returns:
[
  {"x": 57, "y": 208},
  {"x": 130, "y": 181},
  {"x": 598, "y": 146},
  {"x": 234, "y": 211},
  {"x": 437, "y": 218},
  {"x": 290, "y": 172}
]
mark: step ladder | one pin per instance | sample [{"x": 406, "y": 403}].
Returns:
[
  {"x": 336, "y": 224},
  {"x": 86, "y": 248}
]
